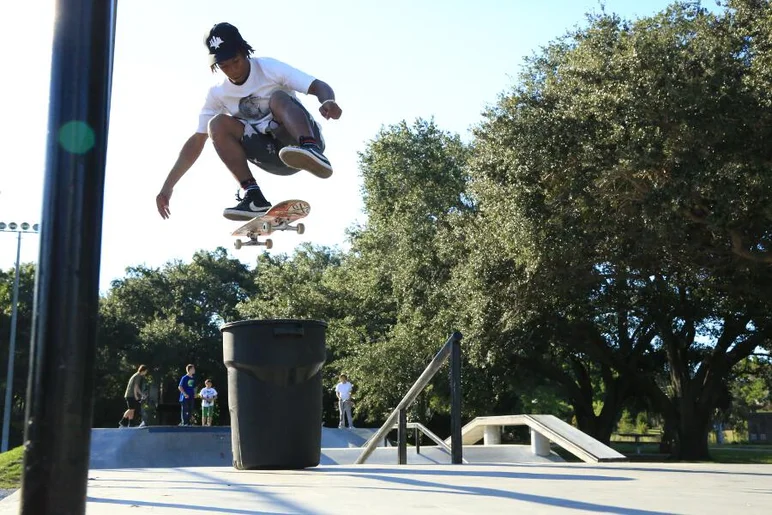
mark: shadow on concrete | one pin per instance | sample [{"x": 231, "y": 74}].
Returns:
[
  {"x": 502, "y": 494},
  {"x": 165, "y": 481},
  {"x": 622, "y": 469},
  {"x": 188, "y": 507},
  {"x": 400, "y": 484},
  {"x": 199, "y": 479},
  {"x": 280, "y": 501},
  {"x": 415, "y": 471}
]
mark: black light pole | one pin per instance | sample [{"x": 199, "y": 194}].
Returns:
[
  {"x": 456, "y": 451},
  {"x": 402, "y": 437},
  {"x": 60, "y": 388},
  {"x": 18, "y": 229}
]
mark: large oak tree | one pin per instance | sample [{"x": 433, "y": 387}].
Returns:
[{"x": 634, "y": 157}]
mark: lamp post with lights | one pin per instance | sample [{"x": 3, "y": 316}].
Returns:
[{"x": 18, "y": 229}]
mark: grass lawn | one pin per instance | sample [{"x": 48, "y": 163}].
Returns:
[
  {"x": 741, "y": 454},
  {"x": 630, "y": 448},
  {"x": 729, "y": 453},
  {"x": 10, "y": 468}
]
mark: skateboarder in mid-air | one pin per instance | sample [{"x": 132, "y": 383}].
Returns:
[{"x": 254, "y": 115}]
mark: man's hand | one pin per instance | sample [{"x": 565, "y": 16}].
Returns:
[
  {"x": 330, "y": 109},
  {"x": 162, "y": 203}
]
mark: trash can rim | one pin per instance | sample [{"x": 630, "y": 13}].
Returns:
[{"x": 273, "y": 321}]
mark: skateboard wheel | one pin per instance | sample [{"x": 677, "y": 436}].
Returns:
[
  {"x": 266, "y": 228},
  {"x": 301, "y": 228},
  {"x": 268, "y": 244},
  {"x": 237, "y": 244}
]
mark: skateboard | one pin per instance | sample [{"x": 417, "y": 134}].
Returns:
[{"x": 278, "y": 218}]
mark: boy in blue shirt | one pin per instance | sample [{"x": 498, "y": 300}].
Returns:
[{"x": 187, "y": 388}]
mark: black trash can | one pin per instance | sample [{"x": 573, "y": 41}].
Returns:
[{"x": 275, "y": 392}]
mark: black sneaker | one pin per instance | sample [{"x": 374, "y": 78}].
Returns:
[
  {"x": 251, "y": 205},
  {"x": 307, "y": 157}
]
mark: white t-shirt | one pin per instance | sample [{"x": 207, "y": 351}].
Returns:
[
  {"x": 207, "y": 396},
  {"x": 344, "y": 389},
  {"x": 249, "y": 101}
]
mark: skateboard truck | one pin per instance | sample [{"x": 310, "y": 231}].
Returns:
[
  {"x": 253, "y": 241},
  {"x": 268, "y": 228},
  {"x": 278, "y": 218}
]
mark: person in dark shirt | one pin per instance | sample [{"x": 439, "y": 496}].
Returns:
[
  {"x": 133, "y": 395},
  {"x": 187, "y": 388}
]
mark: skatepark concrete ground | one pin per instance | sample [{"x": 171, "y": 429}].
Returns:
[
  {"x": 645, "y": 489},
  {"x": 188, "y": 470}
]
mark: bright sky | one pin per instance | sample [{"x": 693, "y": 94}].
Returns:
[{"x": 386, "y": 61}]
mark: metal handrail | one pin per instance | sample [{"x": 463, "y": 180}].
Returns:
[
  {"x": 433, "y": 437},
  {"x": 431, "y": 369}
]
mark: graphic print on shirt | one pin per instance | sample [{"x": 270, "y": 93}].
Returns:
[{"x": 249, "y": 108}]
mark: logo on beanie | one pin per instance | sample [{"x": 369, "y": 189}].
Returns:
[{"x": 215, "y": 42}]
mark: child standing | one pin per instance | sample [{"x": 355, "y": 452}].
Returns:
[{"x": 208, "y": 396}]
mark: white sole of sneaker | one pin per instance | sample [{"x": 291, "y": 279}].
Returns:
[
  {"x": 240, "y": 216},
  {"x": 296, "y": 158}
]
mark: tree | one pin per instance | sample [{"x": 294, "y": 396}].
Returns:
[
  {"x": 749, "y": 390},
  {"x": 23, "y": 339},
  {"x": 304, "y": 285},
  {"x": 633, "y": 157},
  {"x": 166, "y": 318},
  {"x": 401, "y": 262}
]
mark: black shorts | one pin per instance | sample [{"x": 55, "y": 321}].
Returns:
[
  {"x": 263, "y": 149},
  {"x": 133, "y": 403}
]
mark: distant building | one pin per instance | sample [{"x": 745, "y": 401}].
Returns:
[{"x": 760, "y": 427}]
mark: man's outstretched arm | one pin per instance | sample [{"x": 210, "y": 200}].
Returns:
[
  {"x": 326, "y": 96},
  {"x": 188, "y": 156}
]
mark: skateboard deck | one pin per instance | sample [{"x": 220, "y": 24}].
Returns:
[{"x": 278, "y": 218}]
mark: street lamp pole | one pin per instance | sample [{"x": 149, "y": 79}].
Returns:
[
  {"x": 12, "y": 227},
  {"x": 11, "y": 351}
]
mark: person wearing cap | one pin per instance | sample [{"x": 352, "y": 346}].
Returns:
[{"x": 253, "y": 115}]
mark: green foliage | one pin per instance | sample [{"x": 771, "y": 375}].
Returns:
[
  {"x": 11, "y": 466},
  {"x": 749, "y": 390},
  {"x": 23, "y": 335},
  {"x": 294, "y": 287},
  {"x": 166, "y": 318},
  {"x": 636, "y": 424},
  {"x": 628, "y": 175},
  {"x": 307, "y": 285},
  {"x": 401, "y": 263},
  {"x": 732, "y": 454}
]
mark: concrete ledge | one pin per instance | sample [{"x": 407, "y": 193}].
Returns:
[
  {"x": 175, "y": 447},
  {"x": 544, "y": 428},
  {"x": 193, "y": 446}
]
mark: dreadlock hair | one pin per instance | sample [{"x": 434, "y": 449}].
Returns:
[{"x": 244, "y": 48}]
